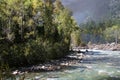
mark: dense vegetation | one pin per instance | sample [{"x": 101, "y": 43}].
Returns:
[
  {"x": 106, "y": 30},
  {"x": 93, "y": 31},
  {"x": 34, "y": 31},
  {"x": 101, "y": 31}
]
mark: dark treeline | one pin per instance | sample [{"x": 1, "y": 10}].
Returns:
[
  {"x": 93, "y": 31},
  {"x": 103, "y": 31},
  {"x": 34, "y": 31}
]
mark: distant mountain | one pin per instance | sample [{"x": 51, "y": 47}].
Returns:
[{"x": 84, "y": 9}]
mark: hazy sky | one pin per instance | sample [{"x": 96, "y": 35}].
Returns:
[{"x": 83, "y": 9}]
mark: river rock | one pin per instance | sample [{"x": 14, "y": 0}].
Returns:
[
  {"x": 37, "y": 77},
  {"x": 15, "y": 72}
]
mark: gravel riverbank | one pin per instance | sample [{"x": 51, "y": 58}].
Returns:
[
  {"x": 52, "y": 65},
  {"x": 108, "y": 46}
]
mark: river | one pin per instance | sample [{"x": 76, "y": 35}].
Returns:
[{"x": 102, "y": 65}]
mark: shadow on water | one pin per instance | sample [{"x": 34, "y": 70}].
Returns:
[
  {"x": 75, "y": 67},
  {"x": 94, "y": 53},
  {"x": 96, "y": 59}
]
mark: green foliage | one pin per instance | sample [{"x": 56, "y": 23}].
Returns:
[
  {"x": 34, "y": 31},
  {"x": 98, "y": 32},
  {"x": 92, "y": 31},
  {"x": 112, "y": 33},
  {"x": 75, "y": 38}
]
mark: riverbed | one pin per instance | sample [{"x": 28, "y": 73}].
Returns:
[{"x": 96, "y": 65}]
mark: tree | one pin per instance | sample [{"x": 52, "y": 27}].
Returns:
[
  {"x": 33, "y": 31},
  {"x": 113, "y": 32},
  {"x": 75, "y": 38}
]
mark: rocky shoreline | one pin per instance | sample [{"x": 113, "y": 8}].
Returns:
[
  {"x": 67, "y": 61},
  {"x": 108, "y": 46},
  {"x": 52, "y": 65}
]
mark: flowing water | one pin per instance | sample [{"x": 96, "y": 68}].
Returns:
[{"x": 102, "y": 65}]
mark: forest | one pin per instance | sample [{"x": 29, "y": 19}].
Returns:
[
  {"x": 34, "y": 31},
  {"x": 37, "y": 31},
  {"x": 105, "y": 30}
]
